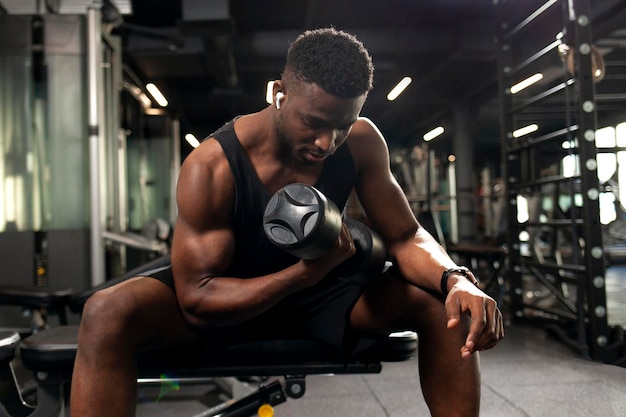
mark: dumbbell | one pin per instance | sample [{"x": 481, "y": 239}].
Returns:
[{"x": 302, "y": 221}]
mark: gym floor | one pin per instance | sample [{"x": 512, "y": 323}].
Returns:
[{"x": 530, "y": 373}]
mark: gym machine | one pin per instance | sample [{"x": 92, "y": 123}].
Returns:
[{"x": 563, "y": 256}]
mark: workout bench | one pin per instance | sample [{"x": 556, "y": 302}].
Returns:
[{"x": 49, "y": 354}]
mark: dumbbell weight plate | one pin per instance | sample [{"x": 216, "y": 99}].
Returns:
[{"x": 302, "y": 221}]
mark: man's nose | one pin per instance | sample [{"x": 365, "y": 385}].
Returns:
[{"x": 326, "y": 141}]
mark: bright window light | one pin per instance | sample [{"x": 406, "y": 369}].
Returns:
[
  {"x": 525, "y": 130},
  {"x": 607, "y": 165},
  {"x": 570, "y": 166},
  {"x": 608, "y": 213},
  {"x": 433, "y": 133},
  {"x": 399, "y": 88},
  {"x": 526, "y": 83},
  {"x": 605, "y": 137},
  {"x": 268, "y": 92},
  {"x": 570, "y": 144},
  {"x": 522, "y": 209},
  {"x": 191, "y": 139},
  {"x": 621, "y": 178},
  {"x": 620, "y": 134},
  {"x": 157, "y": 95}
]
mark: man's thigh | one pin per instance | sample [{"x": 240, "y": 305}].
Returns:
[{"x": 390, "y": 303}]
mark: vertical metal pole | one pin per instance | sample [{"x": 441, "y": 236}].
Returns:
[
  {"x": 454, "y": 218},
  {"x": 175, "y": 169},
  {"x": 93, "y": 72},
  {"x": 464, "y": 151},
  {"x": 597, "y": 321},
  {"x": 511, "y": 160}
]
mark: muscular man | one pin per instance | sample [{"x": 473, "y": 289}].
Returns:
[{"x": 227, "y": 279}]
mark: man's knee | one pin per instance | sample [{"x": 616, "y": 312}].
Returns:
[{"x": 108, "y": 313}]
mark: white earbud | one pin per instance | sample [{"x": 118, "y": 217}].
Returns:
[{"x": 279, "y": 97}]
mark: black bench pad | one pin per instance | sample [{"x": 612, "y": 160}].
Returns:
[
  {"x": 34, "y": 297},
  {"x": 55, "y": 349},
  {"x": 8, "y": 343}
]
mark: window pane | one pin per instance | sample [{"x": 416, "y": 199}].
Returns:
[
  {"x": 620, "y": 133},
  {"x": 605, "y": 137}
]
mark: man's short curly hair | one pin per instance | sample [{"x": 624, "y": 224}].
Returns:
[{"x": 333, "y": 59}]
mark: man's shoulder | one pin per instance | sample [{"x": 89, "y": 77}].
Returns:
[
  {"x": 365, "y": 129},
  {"x": 365, "y": 133},
  {"x": 209, "y": 157}
]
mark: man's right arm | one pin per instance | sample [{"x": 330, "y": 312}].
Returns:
[{"x": 203, "y": 248}]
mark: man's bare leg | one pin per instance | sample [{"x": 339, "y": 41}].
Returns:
[
  {"x": 116, "y": 323},
  {"x": 450, "y": 384}
]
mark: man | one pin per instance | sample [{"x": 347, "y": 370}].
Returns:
[{"x": 226, "y": 278}]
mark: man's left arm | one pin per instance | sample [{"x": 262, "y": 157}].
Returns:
[{"x": 417, "y": 254}]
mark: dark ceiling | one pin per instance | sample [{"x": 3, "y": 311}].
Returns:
[
  {"x": 212, "y": 59},
  {"x": 212, "y": 70}
]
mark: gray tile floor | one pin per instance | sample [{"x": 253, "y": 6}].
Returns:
[{"x": 529, "y": 374}]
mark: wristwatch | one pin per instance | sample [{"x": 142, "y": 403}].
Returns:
[{"x": 456, "y": 270}]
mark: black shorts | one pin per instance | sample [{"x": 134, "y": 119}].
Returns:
[{"x": 321, "y": 312}]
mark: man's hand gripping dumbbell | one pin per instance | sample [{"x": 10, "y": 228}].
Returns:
[{"x": 302, "y": 221}]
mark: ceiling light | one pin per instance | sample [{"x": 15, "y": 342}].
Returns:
[
  {"x": 399, "y": 88},
  {"x": 157, "y": 95},
  {"x": 191, "y": 139},
  {"x": 268, "y": 92},
  {"x": 526, "y": 83},
  {"x": 525, "y": 130},
  {"x": 433, "y": 133}
]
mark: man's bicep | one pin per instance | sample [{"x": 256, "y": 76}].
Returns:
[
  {"x": 200, "y": 253},
  {"x": 203, "y": 240}
]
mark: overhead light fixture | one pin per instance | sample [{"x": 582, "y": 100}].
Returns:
[
  {"x": 526, "y": 83},
  {"x": 399, "y": 88},
  {"x": 157, "y": 95},
  {"x": 191, "y": 139},
  {"x": 268, "y": 92},
  {"x": 433, "y": 133},
  {"x": 525, "y": 130}
]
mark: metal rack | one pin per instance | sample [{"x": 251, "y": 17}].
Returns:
[{"x": 557, "y": 273}]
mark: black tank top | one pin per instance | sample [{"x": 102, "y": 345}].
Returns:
[{"x": 255, "y": 255}]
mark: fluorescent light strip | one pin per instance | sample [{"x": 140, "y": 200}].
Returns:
[
  {"x": 526, "y": 83},
  {"x": 525, "y": 130},
  {"x": 191, "y": 139},
  {"x": 268, "y": 92},
  {"x": 433, "y": 133},
  {"x": 399, "y": 88},
  {"x": 156, "y": 93}
]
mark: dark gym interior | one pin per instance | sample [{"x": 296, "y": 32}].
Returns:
[{"x": 520, "y": 183}]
